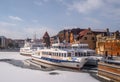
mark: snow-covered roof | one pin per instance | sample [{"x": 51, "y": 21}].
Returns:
[{"x": 99, "y": 30}]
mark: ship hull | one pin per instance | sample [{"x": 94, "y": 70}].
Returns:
[{"x": 66, "y": 64}]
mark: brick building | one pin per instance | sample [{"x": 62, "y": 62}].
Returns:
[
  {"x": 88, "y": 37},
  {"x": 77, "y": 35},
  {"x": 65, "y": 35},
  {"x": 109, "y": 45}
]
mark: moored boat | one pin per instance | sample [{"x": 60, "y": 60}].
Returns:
[
  {"x": 63, "y": 55},
  {"x": 30, "y": 47}
]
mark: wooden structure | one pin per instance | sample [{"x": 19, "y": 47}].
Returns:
[{"x": 110, "y": 71}]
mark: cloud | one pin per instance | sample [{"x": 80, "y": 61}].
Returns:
[
  {"x": 11, "y": 33},
  {"x": 38, "y": 29},
  {"x": 38, "y": 3},
  {"x": 7, "y": 29},
  {"x": 111, "y": 9},
  {"x": 14, "y": 31},
  {"x": 15, "y": 18},
  {"x": 6, "y": 24},
  {"x": 35, "y": 21},
  {"x": 41, "y": 2},
  {"x": 93, "y": 20},
  {"x": 45, "y": 0},
  {"x": 85, "y": 6},
  {"x": 113, "y": 1}
]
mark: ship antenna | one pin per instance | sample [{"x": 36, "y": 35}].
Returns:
[
  {"x": 58, "y": 39},
  {"x": 34, "y": 37}
]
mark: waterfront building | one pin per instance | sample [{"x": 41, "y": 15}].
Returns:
[
  {"x": 18, "y": 43},
  {"x": 65, "y": 35},
  {"x": 3, "y": 42},
  {"x": 88, "y": 37},
  {"x": 77, "y": 35},
  {"x": 108, "y": 45}
]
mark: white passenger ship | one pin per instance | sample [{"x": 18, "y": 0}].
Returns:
[
  {"x": 30, "y": 47},
  {"x": 64, "y": 55}
]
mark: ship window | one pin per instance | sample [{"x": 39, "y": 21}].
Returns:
[
  {"x": 59, "y": 54},
  {"x": 88, "y": 54},
  {"x": 54, "y": 54},
  {"x": 43, "y": 53},
  {"x": 49, "y": 53},
  {"x": 76, "y": 54},
  {"x": 79, "y": 54},
  {"x": 74, "y": 47},
  {"x": 64, "y": 54},
  {"x": 84, "y": 54},
  {"x": 69, "y": 54}
]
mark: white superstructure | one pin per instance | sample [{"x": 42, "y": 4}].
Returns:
[{"x": 64, "y": 55}]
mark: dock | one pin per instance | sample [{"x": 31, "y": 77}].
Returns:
[{"x": 109, "y": 71}]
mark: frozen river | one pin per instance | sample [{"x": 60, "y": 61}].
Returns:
[{"x": 12, "y": 73}]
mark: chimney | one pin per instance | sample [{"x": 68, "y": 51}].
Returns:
[{"x": 108, "y": 33}]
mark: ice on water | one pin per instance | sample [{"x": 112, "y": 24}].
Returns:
[{"x": 11, "y": 73}]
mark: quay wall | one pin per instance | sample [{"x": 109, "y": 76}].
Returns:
[{"x": 110, "y": 71}]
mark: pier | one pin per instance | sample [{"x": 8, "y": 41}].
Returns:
[{"x": 109, "y": 71}]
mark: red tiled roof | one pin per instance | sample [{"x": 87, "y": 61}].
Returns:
[{"x": 82, "y": 33}]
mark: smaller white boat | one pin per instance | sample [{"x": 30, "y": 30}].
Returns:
[{"x": 30, "y": 47}]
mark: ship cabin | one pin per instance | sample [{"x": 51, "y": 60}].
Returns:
[
  {"x": 66, "y": 50},
  {"x": 61, "y": 46},
  {"x": 82, "y": 50}
]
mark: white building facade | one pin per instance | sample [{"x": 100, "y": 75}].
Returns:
[{"x": 2, "y": 42}]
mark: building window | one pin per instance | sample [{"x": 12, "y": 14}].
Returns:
[
  {"x": 93, "y": 38},
  {"x": 85, "y": 38},
  {"x": 0, "y": 41},
  {"x": 89, "y": 33}
]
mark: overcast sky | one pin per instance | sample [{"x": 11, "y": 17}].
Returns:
[{"x": 24, "y": 18}]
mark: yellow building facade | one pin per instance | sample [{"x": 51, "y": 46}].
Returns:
[{"x": 109, "y": 45}]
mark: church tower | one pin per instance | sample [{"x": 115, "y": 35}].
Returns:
[{"x": 46, "y": 39}]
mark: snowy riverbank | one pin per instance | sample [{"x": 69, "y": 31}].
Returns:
[{"x": 12, "y": 73}]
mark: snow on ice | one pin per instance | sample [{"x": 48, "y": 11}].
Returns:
[{"x": 11, "y": 73}]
